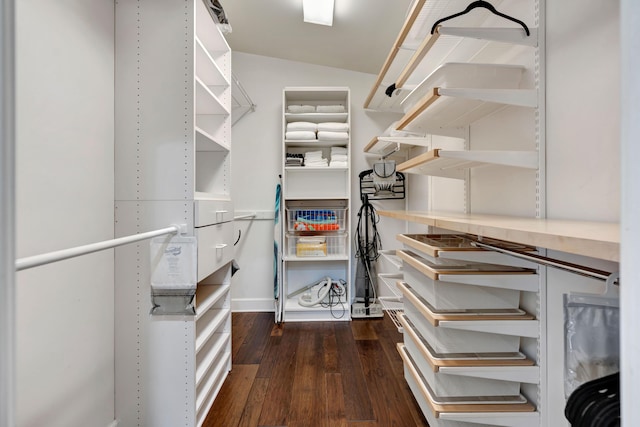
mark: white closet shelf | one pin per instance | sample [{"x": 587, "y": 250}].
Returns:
[
  {"x": 506, "y": 322},
  {"x": 213, "y": 382},
  {"x": 206, "y": 142},
  {"x": 407, "y": 57},
  {"x": 454, "y": 163},
  {"x": 297, "y": 313},
  {"x": 209, "y": 35},
  {"x": 207, "y": 296},
  {"x": 201, "y": 195},
  {"x": 207, "y": 102},
  {"x": 435, "y": 245},
  {"x": 390, "y": 280},
  {"x": 438, "y": 361},
  {"x": 452, "y": 269},
  {"x": 438, "y": 408},
  {"x": 391, "y": 256},
  {"x": 207, "y": 69},
  {"x": 220, "y": 316},
  {"x": 316, "y": 258},
  {"x": 316, "y": 117},
  {"x": 315, "y": 143},
  {"x": 213, "y": 353},
  {"x": 456, "y": 107},
  {"x": 385, "y": 144},
  {"x": 302, "y": 169},
  {"x": 588, "y": 238}
]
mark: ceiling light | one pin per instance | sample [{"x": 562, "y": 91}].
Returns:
[{"x": 318, "y": 11}]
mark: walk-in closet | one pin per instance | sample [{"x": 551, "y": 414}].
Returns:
[{"x": 241, "y": 213}]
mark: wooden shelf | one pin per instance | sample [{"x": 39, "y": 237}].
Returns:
[
  {"x": 435, "y": 244},
  {"x": 458, "y": 268},
  {"x": 385, "y": 144},
  {"x": 462, "y": 360},
  {"x": 441, "y": 405},
  {"x": 593, "y": 239},
  {"x": 450, "y": 108},
  {"x": 414, "y": 55},
  {"x": 453, "y": 163},
  {"x": 446, "y": 317}
]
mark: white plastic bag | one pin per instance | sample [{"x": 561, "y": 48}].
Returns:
[{"x": 592, "y": 338}]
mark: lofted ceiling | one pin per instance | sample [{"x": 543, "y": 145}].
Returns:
[{"x": 360, "y": 39}]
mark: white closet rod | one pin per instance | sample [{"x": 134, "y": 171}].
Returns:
[
  {"x": 7, "y": 213},
  {"x": 37, "y": 260},
  {"x": 550, "y": 262}
]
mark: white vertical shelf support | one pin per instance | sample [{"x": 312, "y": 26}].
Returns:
[
  {"x": 7, "y": 216},
  {"x": 172, "y": 166},
  {"x": 630, "y": 243}
]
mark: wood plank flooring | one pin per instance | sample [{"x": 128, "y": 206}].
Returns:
[{"x": 314, "y": 374}]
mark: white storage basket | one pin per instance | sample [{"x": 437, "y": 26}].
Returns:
[
  {"x": 316, "y": 219},
  {"x": 329, "y": 245}
]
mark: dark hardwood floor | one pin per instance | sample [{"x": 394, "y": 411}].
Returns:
[{"x": 315, "y": 374}]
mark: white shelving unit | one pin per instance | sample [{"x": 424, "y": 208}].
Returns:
[
  {"x": 316, "y": 201},
  {"x": 471, "y": 102},
  {"x": 463, "y": 327},
  {"x": 173, "y": 158}
]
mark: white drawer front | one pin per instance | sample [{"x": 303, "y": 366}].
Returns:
[
  {"x": 215, "y": 247},
  {"x": 209, "y": 212}
]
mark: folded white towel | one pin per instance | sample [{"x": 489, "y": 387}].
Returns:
[
  {"x": 339, "y": 164},
  {"x": 332, "y": 136},
  {"x": 300, "y": 134},
  {"x": 297, "y": 109},
  {"x": 339, "y": 157},
  {"x": 317, "y": 164},
  {"x": 302, "y": 126},
  {"x": 330, "y": 109},
  {"x": 338, "y": 150},
  {"x": 334, "y": 126},
  {"x": 317, "y": 153}
]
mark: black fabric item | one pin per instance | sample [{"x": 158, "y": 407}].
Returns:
[{"x": 595, "y": 403}]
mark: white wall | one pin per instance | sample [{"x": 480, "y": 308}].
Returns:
[
  {"x": 583, "y": 148},
  {"x": 65, "y": 374},
  {"x": 256, "y": 161}
]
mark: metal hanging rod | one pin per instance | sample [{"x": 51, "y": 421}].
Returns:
[
  {"x": 550, "y": 262},
  {"x": 37, "y": 260}
]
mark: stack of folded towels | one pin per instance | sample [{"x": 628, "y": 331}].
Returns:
[
  {"x": 339, "y": 157},
  {"x": 327, "y": 131},
  {"x": 301, "y": 109},
  {"x": 333, "y": 131},
  {"x": 314, "y": 159},
  {"x": 304, "y": 109},
  {"x": 301, "y": 130}
]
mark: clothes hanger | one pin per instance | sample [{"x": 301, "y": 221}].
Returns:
[{"x": 483, "y": 4}]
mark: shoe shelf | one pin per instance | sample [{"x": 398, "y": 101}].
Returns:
[
  {"x": 455, "y": 163},
  {"x": 417, "y": 53},
  {"x": 462, "y": 404},
  {"x": 457, "y": 107}
]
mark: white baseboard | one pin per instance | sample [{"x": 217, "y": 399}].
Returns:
[{"x": 252, "y": 304}]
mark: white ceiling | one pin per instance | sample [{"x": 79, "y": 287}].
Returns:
[{"x": 360, "y": 39}]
